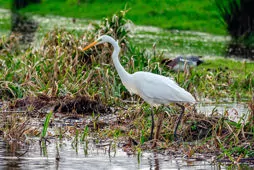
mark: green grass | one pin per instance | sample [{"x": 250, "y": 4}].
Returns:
[
  {"x": 5, "y": 4},
  {"x": 60, "y": 68},
  {"x": 214, "y": 79},
  {"x": 223, "y": 78},
  {"x": 185, "y": 43},
  {"x": 5, "y": 22},
  {"x": 175, "y": 14}
]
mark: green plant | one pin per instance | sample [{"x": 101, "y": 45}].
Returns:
[
  {"x": 45, "y": 125},
  {"x": 14, "y": 128},
  {"x": 115, "y": 26},
  {"x": 74, "y": 143},
  {"x": 85, "y": 134},
  {"x": 139, "y": 154},
  {"x": 142, "y": 138},
  {"x": 60, "y": 69}
]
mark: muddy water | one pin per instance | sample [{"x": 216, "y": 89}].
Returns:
[
  {"x": 102, "y": 155},
  {"x": 97, "y": 158},
  {"x": 232, "y": 108},
  {"x": 235, "y": 111}
]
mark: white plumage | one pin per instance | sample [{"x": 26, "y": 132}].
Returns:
[{"x": 156, "y": 89}]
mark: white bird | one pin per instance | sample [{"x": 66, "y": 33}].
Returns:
[{"x": 153, "y": 88}]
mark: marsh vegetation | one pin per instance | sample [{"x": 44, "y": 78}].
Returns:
[{"x": 82, "y": 99}]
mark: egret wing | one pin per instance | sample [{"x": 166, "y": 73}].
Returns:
[{"x": 159, "y": 89}]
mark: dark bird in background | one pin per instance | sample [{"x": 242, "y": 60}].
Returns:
[{"x": 181, "y": 63}]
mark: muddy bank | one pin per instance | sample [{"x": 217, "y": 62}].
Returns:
[{"x": 71, "y": 105}]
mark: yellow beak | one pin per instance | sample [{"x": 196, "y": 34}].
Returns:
[{"x": 90, "y": 45}]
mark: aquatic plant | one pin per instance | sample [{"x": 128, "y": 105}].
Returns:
[
  {"x": 46, "y": 125},
  {"x": 139, "y": 155},
  {"x": 61, "y": 76},
  {"x": 85, "y": 134},
  {"x": 14, "y": 128},
  {"x": 75, "y": 142}
]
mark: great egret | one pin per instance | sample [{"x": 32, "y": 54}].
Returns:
[{"x": 153, "y": 88}]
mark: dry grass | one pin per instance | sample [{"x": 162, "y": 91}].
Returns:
[{"x": 59, "y": 76}]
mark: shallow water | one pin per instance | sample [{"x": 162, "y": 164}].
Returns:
[
  {"x": 97, "y": 158},
  {"x": 173, "y": 43},
  {"x": 235, "y": 111},
  {"x": 96, "y": 154}
]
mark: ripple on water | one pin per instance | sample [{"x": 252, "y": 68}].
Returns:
[{"x": 97, "y": 158}]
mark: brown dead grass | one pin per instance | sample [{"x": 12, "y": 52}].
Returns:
[{"x": 77, "y": 105}]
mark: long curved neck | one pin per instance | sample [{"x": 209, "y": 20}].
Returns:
[{"x": 124, "y": 75}]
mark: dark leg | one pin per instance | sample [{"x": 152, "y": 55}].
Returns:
[
  {"x": 152, "y": 127},
  {"x": 158, "y": 129},
  {"x": 179, "y": 120}
]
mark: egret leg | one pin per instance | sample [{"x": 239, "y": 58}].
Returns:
[
  {"x": 158, "y": 129},
  {"x": 179, "y": 120},
  {"x": 152, "y": 127}
]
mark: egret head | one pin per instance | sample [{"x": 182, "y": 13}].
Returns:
[{"x": 100, "y": 40}]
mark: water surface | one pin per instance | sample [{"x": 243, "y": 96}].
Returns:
[{"x": 97, "y": 158}]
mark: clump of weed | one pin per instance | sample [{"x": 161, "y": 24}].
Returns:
[
  {"x": 10, "y": 45},
  {"x": 81, "y": 105},
  {"x": 32, "y": 105},
  {"x": 14, "y": 127},
  {"x": 217, "y": 83},
  {"x": 249, "y": 127},
  {"x": 52, "y": 70},
  {"x": 198, "y": 126},
  {"x": 36, "y": 106},
  {"x": 115, "y": 26},
  {"x": 62, "y": 42}
]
